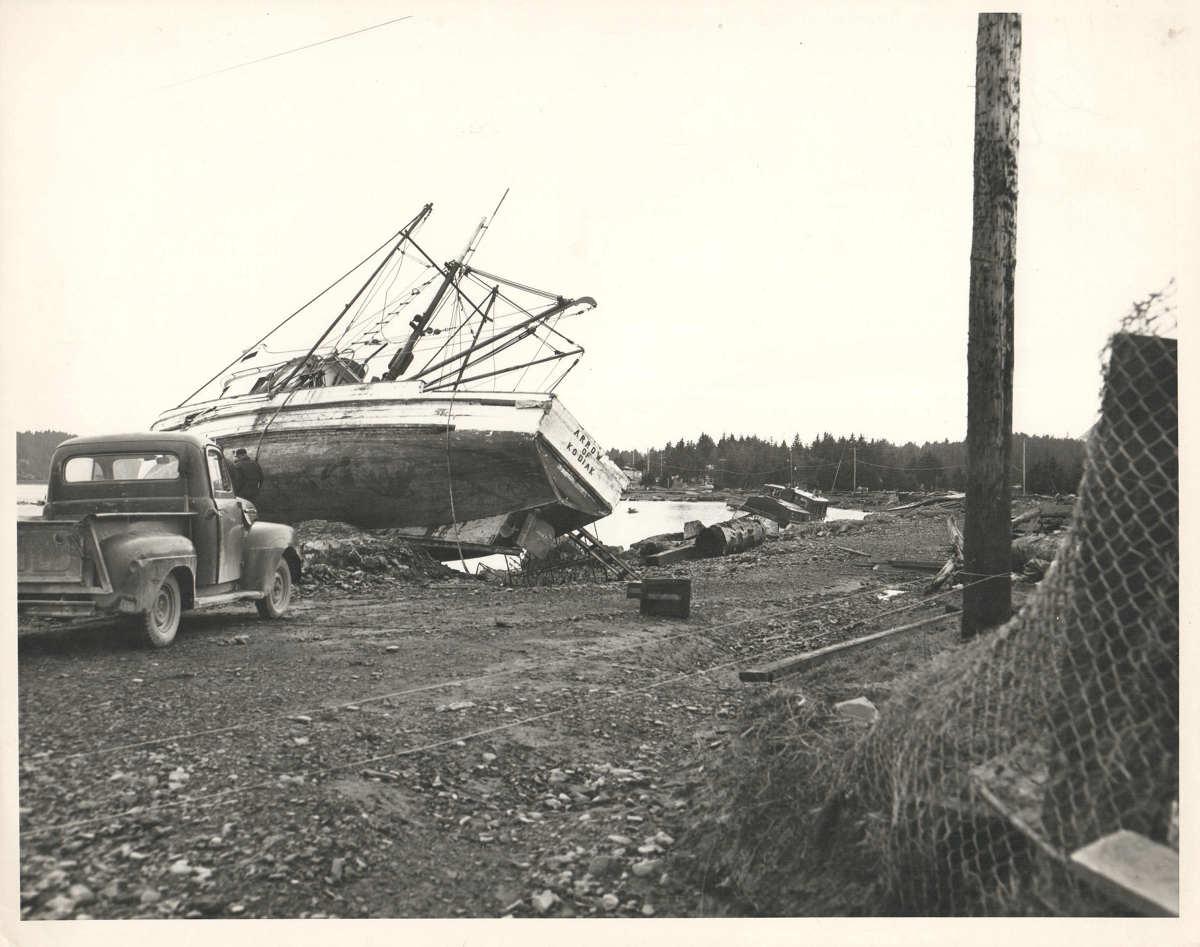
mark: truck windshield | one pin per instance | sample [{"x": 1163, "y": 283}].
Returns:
[{"x": 121, "y": 467}]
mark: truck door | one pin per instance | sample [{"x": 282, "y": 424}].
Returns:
[{"x": 230, "y": 521}]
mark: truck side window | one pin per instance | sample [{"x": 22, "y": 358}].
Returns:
[{"x": 218, "y": 473}]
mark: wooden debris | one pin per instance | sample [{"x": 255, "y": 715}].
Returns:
[
  {"x": 927, "y": 502},
  {"x": 669, "y": 597},
  {"x": 1027, "y": 515},
  {"x": 1132, "y": 870},
  {"x": 955, "y": 563},
  {"x": 915, "y": 565},
  {"x": 666, "y": 557},
  {"x": 769, "y": 673},
  {"x": 1035, "y": 547}
]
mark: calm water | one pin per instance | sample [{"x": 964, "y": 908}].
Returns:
[{"x": 28, "y": 497}]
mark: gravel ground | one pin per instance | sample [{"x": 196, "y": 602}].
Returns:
[{"x": 428, "y": 746}]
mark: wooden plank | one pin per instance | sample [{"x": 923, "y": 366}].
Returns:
[
  {"x": 769, "y": 673},
  {"x": 1132, "y": 870},
  {"x": 918, "y": 565},
  {"x": 667, "y": 556},
  {"x": 926, "y": 502}
]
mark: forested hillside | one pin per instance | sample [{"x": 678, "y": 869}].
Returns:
[
  {"x": 33, "y": 453},
  {"x": 1052, "y": 464}
]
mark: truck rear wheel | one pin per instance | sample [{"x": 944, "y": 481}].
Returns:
[
  {"x": 279, "y": 593},
  {"x": 161, "y": 619}
]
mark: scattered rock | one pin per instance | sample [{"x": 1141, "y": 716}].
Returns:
[
  {"x": 58, "y": 907},
  {"x": 604, "y": 866},
  {"x": 456, "y": 705},
  {"x": 646, "y": 866},
  {"x": 858, "y": 709},
  {"x": 545, "y": 901},
  {"x": 611, "y": 902},
  {"x": 52, "y": 879}
]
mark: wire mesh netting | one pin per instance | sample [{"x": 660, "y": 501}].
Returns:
[
  {"x": 990, "y": 762},
  {"x": 1063, "y": 726}
]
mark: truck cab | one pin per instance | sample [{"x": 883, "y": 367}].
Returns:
[{"x": 149, "y": 525}]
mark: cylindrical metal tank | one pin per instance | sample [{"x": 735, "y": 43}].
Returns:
[{"x": 723, "y": 539}]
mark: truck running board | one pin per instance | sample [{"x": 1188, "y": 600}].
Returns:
[{"x": 224, "y": 598}]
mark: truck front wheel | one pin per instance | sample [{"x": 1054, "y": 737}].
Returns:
[
  {"x": 279, "y": 593},
  {"x": 161, "y": 619}
]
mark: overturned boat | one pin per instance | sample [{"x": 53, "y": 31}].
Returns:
[{"x": 410, "y": 411}]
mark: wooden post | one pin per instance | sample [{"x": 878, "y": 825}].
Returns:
[{"x": 987, "y": 531}]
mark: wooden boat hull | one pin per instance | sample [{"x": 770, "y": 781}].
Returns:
[
  {"x": 469, "y": 469},
  {"x": 787, "y": 505},
  {"x": 779, "y": 510}
]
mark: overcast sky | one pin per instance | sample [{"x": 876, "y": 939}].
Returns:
[{"x": 771, "y": 202}]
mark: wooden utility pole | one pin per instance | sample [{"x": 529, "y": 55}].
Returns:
[{"x": 987, "y": 531}]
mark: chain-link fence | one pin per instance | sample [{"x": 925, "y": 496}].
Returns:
[{"x": 994, "y": 764}]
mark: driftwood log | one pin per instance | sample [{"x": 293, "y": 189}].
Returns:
[
  {"x": 1035, "y": 547},
  {"x": 955, "y": 563},
  {"x": 1037, "y": 552}
]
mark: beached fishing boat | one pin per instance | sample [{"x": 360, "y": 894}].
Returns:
[
  {"x": 412, "y": 411},
  {"x": 787, "y": 504}
]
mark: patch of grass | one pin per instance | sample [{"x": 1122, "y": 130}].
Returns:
[{"x": 774, "y": 840}]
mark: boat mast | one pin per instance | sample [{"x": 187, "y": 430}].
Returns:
[
  {"x": 402, "y": 359},
  {"x": 404, "y": 234}
]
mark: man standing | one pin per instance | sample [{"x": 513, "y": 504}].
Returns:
[{"x": 248, "y": 476}]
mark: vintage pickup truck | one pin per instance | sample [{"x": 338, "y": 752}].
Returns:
[{"x": 148, "y": 525}]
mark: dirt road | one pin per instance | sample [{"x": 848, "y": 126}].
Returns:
[{"x": 442, "y": 750}]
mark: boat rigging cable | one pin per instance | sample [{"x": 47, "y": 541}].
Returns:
[
  {"x": 246, "y": 352},
  {"x": 404, "y": 236},
  {"x": 301, "y": 364}
]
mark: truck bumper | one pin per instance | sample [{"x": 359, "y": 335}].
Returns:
[
  {"x": 57, "y": 609},
  {"x": 73, "y": 605}
]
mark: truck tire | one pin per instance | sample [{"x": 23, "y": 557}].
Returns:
[
  {"x": 161, "y": 620},
  {"x": 279, "y": 594}
]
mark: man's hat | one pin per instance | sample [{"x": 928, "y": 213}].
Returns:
[{"x": 239, "y": 451}]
